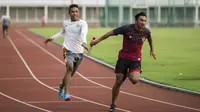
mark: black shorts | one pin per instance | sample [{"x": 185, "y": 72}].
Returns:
[
  {"x": 5, "y": 27},
  {"x": 76, "y": 58},
  {"x": 125, "y": 65}
]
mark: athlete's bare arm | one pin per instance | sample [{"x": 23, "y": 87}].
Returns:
[
  {"x": 151, "y": 47},
  {"x": 55, "y": 36},
  {"x": 105, "y": 36}
]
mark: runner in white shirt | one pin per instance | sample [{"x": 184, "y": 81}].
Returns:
[
  {"x": 75, "y": 31},
  {"x": 5, "y": 25}
]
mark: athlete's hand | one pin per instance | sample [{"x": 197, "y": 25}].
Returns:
[
  {"x": 48, "y": 40},
  {"x": 93, "y": 42},
  {"x": 152, "y": 54},
  {"x": 89, "y": 52},
  {"x": 85, "y": 46}
]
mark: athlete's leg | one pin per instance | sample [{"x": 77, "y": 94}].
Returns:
[
  {"x": 134, "y": 73},
  {"x": 43, "y": 24},
  {"x": 64, "y": 86},
  {"x": 69, "y": 59},
  {"x": 120, "y": 70},
  {"x": 3, "y": 30},
  {"x": 77, "y": 62},
  {"x": 134, "y": 77},
  {"x": 6, "y": 31},
  {"x": 67, "y": 77},
  {"x": 120, "y": 78}
]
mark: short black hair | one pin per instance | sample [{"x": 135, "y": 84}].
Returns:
[
  {"x": 140, "y": 14},
  {"x": 72, "y": 6}
]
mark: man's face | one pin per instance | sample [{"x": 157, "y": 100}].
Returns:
[
  {"x": 141, "y": 22},
  {"x": 74, "y": 13}
]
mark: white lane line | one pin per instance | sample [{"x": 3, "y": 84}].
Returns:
[
  {"x": 31, "y": 73},
  {"x": 33, "y": 102},
  {"x": 142, "y": 97},
  {"x": 45, "y": 110},
  {"x": 16, "y": 78},
  {"x": 48, "y": 78},
  {"x": 83, "y": 87},
  {"x": 100, "y": 77}
]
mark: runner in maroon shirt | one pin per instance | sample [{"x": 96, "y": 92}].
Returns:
[{"x": 129, "y": 58}]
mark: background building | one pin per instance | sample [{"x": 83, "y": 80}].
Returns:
[{"x": 105, "y": 13}]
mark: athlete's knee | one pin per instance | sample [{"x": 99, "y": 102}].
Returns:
[
  {"x": 118, "y": 82},
  {"x": 69, "y": 66},
  {"x": 134, "y": 77},
  {"x": 73, "y": 72},
  {"x": 119, "y": 79},
  {"x": 134, "y": 81}
]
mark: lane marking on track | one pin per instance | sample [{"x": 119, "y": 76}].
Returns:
[
  {"x": 45, "y": 110},
  {"x": 52, "y": 78},
  {"x": 33, "y": 102},
  {"x": 83, "y": 87}
]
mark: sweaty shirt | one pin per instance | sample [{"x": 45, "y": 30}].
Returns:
[{"x": 132, "y": 41}]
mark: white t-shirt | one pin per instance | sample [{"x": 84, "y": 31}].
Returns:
[
  {"x": 75, "y": 35},
  {"x": 5, "y": 19}
]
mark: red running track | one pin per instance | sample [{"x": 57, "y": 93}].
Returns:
[{"x": 30, "y": 73}]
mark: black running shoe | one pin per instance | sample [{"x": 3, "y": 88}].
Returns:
[{"x": 112, "y": 108}]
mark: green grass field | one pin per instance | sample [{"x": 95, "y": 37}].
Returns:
[{"x": 177, "y": 51}]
